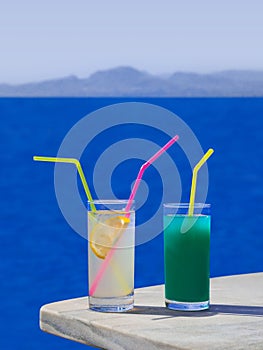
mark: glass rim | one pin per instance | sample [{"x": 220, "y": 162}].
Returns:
[
  {"x": 109, "y": 201},
  {"x": 187, "y": 205}
]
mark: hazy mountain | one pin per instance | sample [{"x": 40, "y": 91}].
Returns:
[{"x": 127, "y": 81}]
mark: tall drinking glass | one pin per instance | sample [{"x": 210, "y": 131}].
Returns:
[
  {"x": 111, "y": 227},
  {"x": 187, "y": 256}
]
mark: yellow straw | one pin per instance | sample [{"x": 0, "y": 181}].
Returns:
[
  {"x": 80, "y": 171},
  {"x": 194, "y": 178},
  {"x": 88, "y": 194}
]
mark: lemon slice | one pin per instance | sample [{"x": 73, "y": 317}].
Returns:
[{"x": 106, "y": 233}]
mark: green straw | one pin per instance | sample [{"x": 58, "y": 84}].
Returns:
[
  {"x": 194, "y": 178},
  {"x": 80, "y": 171}
]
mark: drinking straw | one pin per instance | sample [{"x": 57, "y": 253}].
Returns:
[
  {"x": 108, "y": 258},
  {"x": 80, "y": 171},
  {"x": 145, "y": 166},
  {"x": 194, "y": 178},
  {"x": 86, "y": 188}
]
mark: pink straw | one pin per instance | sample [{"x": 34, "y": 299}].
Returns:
[{"x": 128, "y": 206}]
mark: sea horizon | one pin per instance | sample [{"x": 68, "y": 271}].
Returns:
[{"x": 45, "y": 260}]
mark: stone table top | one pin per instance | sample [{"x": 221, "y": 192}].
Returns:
[{"x": 234, "y": 320}]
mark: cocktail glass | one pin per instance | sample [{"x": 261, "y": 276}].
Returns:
[
  {"x": 187, "y": 256},
  {"x": 111, "y": 227}
]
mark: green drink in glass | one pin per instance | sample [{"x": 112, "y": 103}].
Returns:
[{"x": 187, "y": 256}]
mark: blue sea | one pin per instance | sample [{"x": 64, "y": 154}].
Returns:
[{"x": 44, "y": 260}]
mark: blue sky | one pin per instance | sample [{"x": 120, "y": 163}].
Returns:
[{"x": 41, "y": 40}]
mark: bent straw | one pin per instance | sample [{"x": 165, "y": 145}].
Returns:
[
  {"x": 80, "y": 171},
  {"x": 108, "y": 258},
  {"x": 194, "y": 178},
  {"x": 87, "y": 191},
  {"x": 145, "y": 166}
]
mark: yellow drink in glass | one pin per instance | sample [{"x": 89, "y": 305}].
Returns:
[{"x": 110, "y": 227}]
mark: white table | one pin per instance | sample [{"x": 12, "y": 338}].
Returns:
[{"x": 234, "y": 320}]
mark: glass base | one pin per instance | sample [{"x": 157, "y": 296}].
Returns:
[
  {"x": 116, "y": 304},
  {"x": 187, "y": 306}
]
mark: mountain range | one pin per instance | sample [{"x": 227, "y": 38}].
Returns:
[{"x": 130, "y": 82}]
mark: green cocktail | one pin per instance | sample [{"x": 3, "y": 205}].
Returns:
[{"x": 187, "y": 255}]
